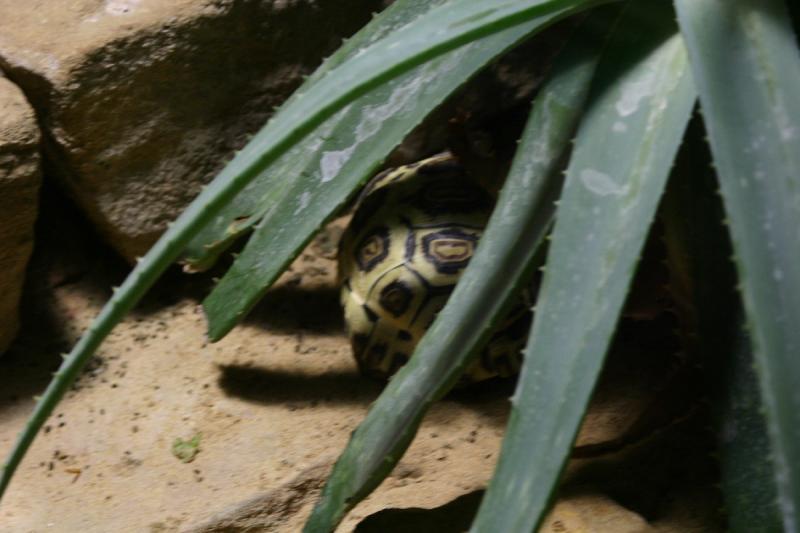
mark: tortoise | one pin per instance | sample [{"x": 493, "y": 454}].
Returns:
[{"x": 412, "y": 233}]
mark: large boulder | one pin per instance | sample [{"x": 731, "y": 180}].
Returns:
[
  {"x": 19, "y": 188},
  {"x": 142, "y": 101}
]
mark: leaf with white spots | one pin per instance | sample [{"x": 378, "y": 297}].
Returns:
[
  {"x": 710, "y": 313},
  {"x": 310, "y": 187},
  {"x": 440, "y": 31},
  {"x": 613, "y": 186},
  {"x": 501, "y": 263},
  {"x": 746, "y": 63},
  {"x": 321, "y": 155}
]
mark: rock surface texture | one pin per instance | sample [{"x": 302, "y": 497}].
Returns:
[
  {"x": 141, "y": 101},
  {"x": 274, "y": 403},
  {"x": 19, "y": 187}
]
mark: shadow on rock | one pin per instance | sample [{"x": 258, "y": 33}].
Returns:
[
  {"x": 276, "y": 387},
  {"x": 452, "y": 517},
  {"x": 66, "y": 253},
  {"x": 291, "y": 308}
]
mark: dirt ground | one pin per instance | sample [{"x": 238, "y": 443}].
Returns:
[{"x": 274, "y": 403}]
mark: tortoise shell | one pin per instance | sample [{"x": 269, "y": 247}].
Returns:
[{"x": 413, "y": 232}]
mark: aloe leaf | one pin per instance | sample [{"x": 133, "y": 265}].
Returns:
[
  {"x": 702, "y": 281},
  {"x": 336, "y": 135},
  {"x": 339, "y": 145},
  {"x": 623, "y": 153},
  {"x": 490, "y": 282},
  {"x": 747, "y": 68},
  {"x": 371, "y": 128},
  {"x": 341, "y": 160},
  {"x": 441, "y": 30},
  {"x": 747, "y": 471}
]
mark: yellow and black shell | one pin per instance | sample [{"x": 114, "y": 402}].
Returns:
[{"x": 413, "y": 232}]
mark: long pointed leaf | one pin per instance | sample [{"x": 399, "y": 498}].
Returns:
[
  {"x": 335, "y": 136},
  {"x": 374, "y": 126},
  {"x": 443, "y": 29},
  {"x": 505, "y": 252},
  {"x": 702, "y": 281},
  {"x": 745, "y": 59},
  {"x": 747, "y": 478},
  {"x": 624, "y": 150}
]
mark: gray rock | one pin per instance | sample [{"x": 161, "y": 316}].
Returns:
[{"x": 19, "y": 188}]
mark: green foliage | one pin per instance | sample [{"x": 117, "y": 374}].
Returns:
[
  {"x": 747, "y": 71},
  {"x": 624, "y": 150},
  {"x": 440, "y": 31},
  {"x": 499, "y": 266},
  {"x": 325, "y": 141},
  {"x": 337, "y": 159},
  {"x": 698, "y": 247}
]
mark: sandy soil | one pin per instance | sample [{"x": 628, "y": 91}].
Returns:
[{"x": 274, "y": 403}]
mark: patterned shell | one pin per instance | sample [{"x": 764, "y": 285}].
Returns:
[{"x": 413, "y": 232}]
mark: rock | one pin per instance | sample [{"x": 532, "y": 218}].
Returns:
[
  {"x": 19, "y": 188},
  {"x": 581, "y": 513},
  {"x": 271, "y": 511},
  {"x": 142, "y": 101},
  {"x": 592, "y": 513}
]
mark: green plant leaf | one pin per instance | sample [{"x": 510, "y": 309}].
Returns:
[
  {"x": 371, "y": 128},
  {"x": 702, "y": 281},
  {"x": 747, "y": 471},
  {"x": 747, "y": 68},
  {"x": 439, "y": 31},
  {"x": 490, "y": 282},
  {"x": 623, "y": 153},
  {"x": 335, "y": 136}
]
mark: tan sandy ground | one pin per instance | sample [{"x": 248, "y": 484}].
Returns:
[{"x": 273, "y": 403}]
